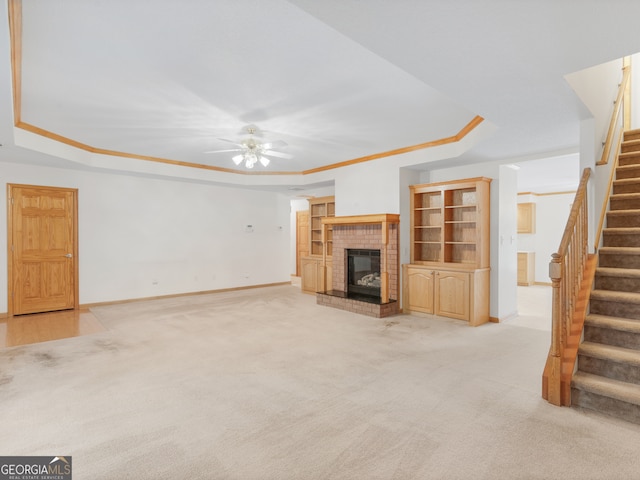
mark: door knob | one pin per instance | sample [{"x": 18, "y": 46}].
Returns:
[{"x": 69, "y": 255}]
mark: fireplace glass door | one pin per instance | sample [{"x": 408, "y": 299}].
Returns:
[{"x": 363, "y": 268}]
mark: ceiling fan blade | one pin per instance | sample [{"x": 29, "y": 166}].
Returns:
[
  {"x": 230, "y": 141},
  {"x": 274, "y": 144},
  {"x": 220, "y": 151},
  {"x": 277, "y": 154}
]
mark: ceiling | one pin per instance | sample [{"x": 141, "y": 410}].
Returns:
[{"x": 162, "y": 82}]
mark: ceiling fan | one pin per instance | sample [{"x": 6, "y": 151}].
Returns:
[{"x": 252, "y": 151}]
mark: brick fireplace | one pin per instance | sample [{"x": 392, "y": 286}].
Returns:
[{"x": 363, "y": 232}]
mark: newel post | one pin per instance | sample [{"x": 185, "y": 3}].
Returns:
[{"x": 555, "y": 273}]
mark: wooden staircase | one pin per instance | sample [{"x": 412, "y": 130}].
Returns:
[{"x": 608, "y": 367}]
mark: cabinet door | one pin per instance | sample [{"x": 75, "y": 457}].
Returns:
[
  {"x": 420, "y": 290},
  {"x": 526, "y": 218},
  {"x": 523, "y": 275},
  {"x": 526, "y": 267},
  {"x": 309, "y": 276},
  {"x": 452, "y": 294}
]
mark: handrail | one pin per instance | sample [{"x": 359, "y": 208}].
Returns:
[
  {"x": 566, "y": 270},
  {"x": 605, "y": 202},
  {"x": 623, "y": 92},
  {"x": 613, "y": 123}
]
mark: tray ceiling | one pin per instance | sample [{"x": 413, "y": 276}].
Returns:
[{"x": 335, "y": 80}]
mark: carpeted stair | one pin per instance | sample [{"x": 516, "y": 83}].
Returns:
[{"x": 608, "y": 371}]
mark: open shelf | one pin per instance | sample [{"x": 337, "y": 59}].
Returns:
[
  {"x": 320, "y": 208},
  {"x": 450, "y": 222}
]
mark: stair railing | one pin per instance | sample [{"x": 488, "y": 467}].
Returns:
[
  {"x": 605, "y": 201},
  {"x": 619, "y": 123},
  {"x": 615, "y": 123},
  {"x": 566, "y": 269}
]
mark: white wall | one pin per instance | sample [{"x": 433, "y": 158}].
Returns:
[
  {"x": 407, "y": 177},
  {"x": 552, "y": 213},
  {"x": 369, "y": 188},
  {"x": 507, "y": 248},
  {"x": 598, "y": 180},
  {"x": 141, "y": 237},
  {"x": 597, "y": 87}
]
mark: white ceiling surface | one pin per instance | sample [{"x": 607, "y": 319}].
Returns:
[{"x": 336, "y": 80}]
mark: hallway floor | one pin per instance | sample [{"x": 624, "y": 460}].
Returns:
[{"x": 44, "y": 327}]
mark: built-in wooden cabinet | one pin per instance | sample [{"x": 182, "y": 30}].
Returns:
[
  {"x": 457, "y": 294},
  {"x": 526, "y": 218},
  {"x": 312, "y": 273},
  {"x": 526, "y": 268},
  {"x": 449, "y": 270}
]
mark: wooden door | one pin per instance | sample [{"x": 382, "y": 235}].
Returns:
[
  {"x": 452, "y": 294},
  {"x": 302, "y": 238},
  {"x": 42, "y": 240}
]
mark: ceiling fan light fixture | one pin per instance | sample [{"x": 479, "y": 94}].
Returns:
[
  {"x": 252, "y": 151},
  {"x": 250, "y": 160}
]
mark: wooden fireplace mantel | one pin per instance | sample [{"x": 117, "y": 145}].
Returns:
[
  {"x": 362, "y": 219},
  {"x": 382, "y": 219}
]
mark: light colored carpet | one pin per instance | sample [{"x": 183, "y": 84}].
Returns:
[
  {"x": 534, "y": 308},
  {"x": 265, "y": 384}
]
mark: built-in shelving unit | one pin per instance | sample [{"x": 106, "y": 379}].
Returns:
[
  {"x": 320, "y": 208},
  {"x": 449, "y": 223},
  {"x": 313, "y": 274},
  {"x": 449, "y": 270}
]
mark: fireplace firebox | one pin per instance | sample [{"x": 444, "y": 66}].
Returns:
[{"x": 363, "y": 267}]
